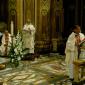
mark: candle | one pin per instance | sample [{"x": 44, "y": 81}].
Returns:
[{"x": 12, "y": 27}]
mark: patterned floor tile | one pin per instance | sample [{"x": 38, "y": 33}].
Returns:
[{"x": 42, "y": 71}]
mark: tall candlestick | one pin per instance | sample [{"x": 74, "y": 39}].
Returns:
[{"x": 12, "y": 28}]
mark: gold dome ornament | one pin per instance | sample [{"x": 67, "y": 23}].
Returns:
[{"x": 2, "y": 66}]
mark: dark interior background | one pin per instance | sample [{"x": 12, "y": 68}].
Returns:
[
  {"x": 74, "y": 13},
  {"x": 3, "y": 11}
]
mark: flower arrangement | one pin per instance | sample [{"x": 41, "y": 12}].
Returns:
[{"x": 16, "y": 52}]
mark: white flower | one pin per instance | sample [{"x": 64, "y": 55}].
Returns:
[
  {"x": 12, "y": 60},
  {"x": 16, "y": 48}
]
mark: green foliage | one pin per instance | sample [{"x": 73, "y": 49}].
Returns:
[{"x": 16, "y": 52}]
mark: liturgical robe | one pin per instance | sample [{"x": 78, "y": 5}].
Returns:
[
  {"x": 71, "y": 52},
  {"x": 29, "y": 37},
  {"x": 5, "y": 46}
]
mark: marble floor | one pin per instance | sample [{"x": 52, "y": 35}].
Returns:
[{"x": 45, "y": 70}]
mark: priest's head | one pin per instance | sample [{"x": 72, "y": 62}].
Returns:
[
  {"x": 6, "y": 32},
  {"x": 28, "y": 21},
  {"x": 76, "y": 29}
]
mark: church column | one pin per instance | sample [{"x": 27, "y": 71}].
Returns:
[
  {"x": 19, "y": 9},
  {"x": 57, "y": 23},
  {"x": 42, "y": 21},
  {"x": 35, "y": 13}
]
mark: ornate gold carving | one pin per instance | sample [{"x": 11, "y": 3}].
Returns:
[
  {"x": 44, "y": 6},
  {"x": 12, "y": 7}
]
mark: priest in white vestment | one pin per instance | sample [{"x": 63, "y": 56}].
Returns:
[
  {"x": 71, "y": 50},
  {"x": 6, "y": 42},
  {"x": 29, "y": 37}
]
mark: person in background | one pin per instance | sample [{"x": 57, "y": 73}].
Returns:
[
  {"x": 29, "y": 37},
  {"x": 82, "y": 49},
  {"x": 6, "y": 41},
  {"x": 72, "y": 49}
]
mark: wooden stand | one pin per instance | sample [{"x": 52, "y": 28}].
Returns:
[{"x": 77, "y": 65}]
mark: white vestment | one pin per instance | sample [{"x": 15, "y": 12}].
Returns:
[
  {"x": 71, "y": 52},
  {"x": 29, "y": 37},
  {"x": 3, "y": 47}
]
